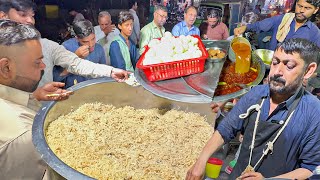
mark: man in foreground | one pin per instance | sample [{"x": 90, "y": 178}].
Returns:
[
  {"x": 21, "y": 69},
  {"x": 280, "y": 121},
  {"x": 22, "y": 11}
]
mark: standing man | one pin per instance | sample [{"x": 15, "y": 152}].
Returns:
[
  {"x": 21, "y": 69},
  {"x": 123, "y": 52},
  {"x": 289, "y": 25},
  {"x": 280, "y": 120},
  {"x": 135, "y": 36},
  {"x": 22, "y": 11},
  {"x": 186, "y": 27},
  {"x": 154, "y": 29},
  {"x": 84, "y": 46},
  {"x": 105, "y": 32}
]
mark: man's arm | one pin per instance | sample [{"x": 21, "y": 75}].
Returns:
[
  {"x": 259, "y": 26},
  {"x": 300, "y": 173},
  {"x": 225, "y": 34},
  {"x": 197, "y": 170},
  {"x": 73, "y": 63},
  {"x": 265, "y": 25},
  {"x": 144, "y": 39}
]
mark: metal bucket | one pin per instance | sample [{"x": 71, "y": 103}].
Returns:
[
  {"x": 231, "y": 54},
  {"x": 265, "y": 55},
  {"x": 106, "y": 91}
]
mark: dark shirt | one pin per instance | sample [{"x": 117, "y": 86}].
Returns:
[
  {"x": 302, "y": 133},
  {"x": 307, "y": 31},
  {"x": 116, "y": 57},
  {"x": 96, "y": 56}
]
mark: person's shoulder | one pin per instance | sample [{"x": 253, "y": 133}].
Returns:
[
  {"x": 47, "y": 42},
  {"x": 96, "y": 28},
  {"x": 314, "y": 28},
  {"x": 70, "y": 42},
  {"x": 114, "y": 44},
  {"x": 277, "y": 18},
  {"x": 260, "y": 90},
  {"x": 177, "y": 26},
  {"x": 311, "y": 100},
  {"x": 222, "y": 24},
  {"x": 98, "y": 47},
  {"x": 114, "y": 33},
  {"x": 146, "y": 27}
]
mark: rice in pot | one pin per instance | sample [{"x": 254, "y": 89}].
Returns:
[{"x": 105, "y": 142}]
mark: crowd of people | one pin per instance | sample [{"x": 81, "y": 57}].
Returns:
[{"x": 279, "y": 120}]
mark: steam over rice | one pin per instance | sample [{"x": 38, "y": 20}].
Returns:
[{"x": 106, "y": 142}]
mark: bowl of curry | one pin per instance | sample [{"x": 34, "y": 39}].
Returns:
[{"x": 232, "y": 85}]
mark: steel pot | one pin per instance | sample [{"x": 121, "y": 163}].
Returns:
[{"x": 105, "y": 91}]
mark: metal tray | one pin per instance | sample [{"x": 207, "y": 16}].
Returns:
[{"x": 198, "y": 88}]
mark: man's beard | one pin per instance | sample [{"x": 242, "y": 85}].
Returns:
[
  {"x": 26, "y": 84},
  {"x": 284, "y": 89},
  {"x": 214, "y": 25},
  {"x": 301, "y": 20}
]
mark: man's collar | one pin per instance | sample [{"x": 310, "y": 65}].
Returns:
[
  {"x": 184, "y": 24},
  {"x": 286, "y": 103},
  {"x": 155, "y": 26},
  {"x": 292, "y": 98},
  {"x": 308, "y": 23}
]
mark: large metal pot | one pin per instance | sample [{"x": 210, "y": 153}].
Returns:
[{"x": 105, "y": 91}]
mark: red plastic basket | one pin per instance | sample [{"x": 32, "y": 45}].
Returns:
[{"x": 169, "y": 70}]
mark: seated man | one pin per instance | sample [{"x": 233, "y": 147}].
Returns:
[
  {"x": 186, "y": 27},
  {"x": 84, "y": 46},
  {"x": 105, "y": 32},
  {"x": 154, "y": 29},
  {"x": 21, "y": 69},
  {"x": 217, "y": 30},
  {"x": 128, "y": 55}
]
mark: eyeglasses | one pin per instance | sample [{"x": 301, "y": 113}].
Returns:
[{"x": 163, "y": 16}]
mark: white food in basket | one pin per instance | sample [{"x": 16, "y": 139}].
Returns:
[{"x": 170, "y": 49}]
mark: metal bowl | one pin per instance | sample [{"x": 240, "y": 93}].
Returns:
[
  {"x": 256, "y": 62},
  {"x": 217, "y": 59},
  {"x": 265, "y": 55},
  {"x": 99, "y": 90}
]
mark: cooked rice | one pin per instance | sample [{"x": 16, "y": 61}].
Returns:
[{"x": 106, "y": 142}]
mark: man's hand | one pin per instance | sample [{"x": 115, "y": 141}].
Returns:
[
  {"x": 196, "y": 172},
  {"x": 82, "y": 51},
  {"x": 251, "y": 176},
  {"x": 240, "y": 30},
  {"x": 51, "y": 92},
  {"x": 109, "y": 29},
  {"x": 216, "y": 106},
  {"x": 119, "y": 74}
]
